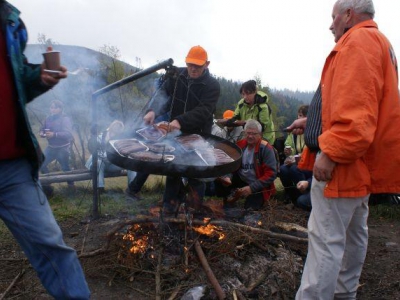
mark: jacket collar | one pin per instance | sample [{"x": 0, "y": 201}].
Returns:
[{"x": 364, "y": 24}]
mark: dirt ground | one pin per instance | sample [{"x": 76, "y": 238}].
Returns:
[{"x": 247, "y": 264}]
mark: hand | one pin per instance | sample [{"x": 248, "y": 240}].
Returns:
[
  {"x": 244, "y": 191},
  {"x": 51, "y": 79},
  {"x": 49, "y": 134},
  {"x": 174, "y": 125},
  {"x": 226, "y": 181},
  {"x": 298, "y": 126},
  {"x": 323, "y": 167},
  {"x": 149, "y": 118},
  {"x": 302, "y": 186}
]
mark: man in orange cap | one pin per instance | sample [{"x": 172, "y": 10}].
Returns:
[
  {"x": 231, "y": 133},
  {"x": 190, "y": 96}
]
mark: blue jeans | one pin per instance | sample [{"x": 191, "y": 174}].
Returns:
[
  {"x": 27, "y": 214},
  {"x": 59, "y": 154}
]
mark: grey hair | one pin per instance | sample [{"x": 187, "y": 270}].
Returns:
[
  {"x": 253, "y": 124},
  {"x": 359, "y": 6}
]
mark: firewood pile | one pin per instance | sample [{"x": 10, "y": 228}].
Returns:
[{"x": 255, "y": 256}]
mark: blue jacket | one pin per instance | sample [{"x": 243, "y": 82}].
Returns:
[{"x": 26, "y": 77}]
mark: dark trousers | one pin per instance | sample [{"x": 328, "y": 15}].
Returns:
[
  {"x": 254, "y": 201},
  {"x": 136, "y": 185},
  {"x": 175, "y": 192}
]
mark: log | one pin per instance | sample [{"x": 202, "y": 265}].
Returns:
[
  {"x": 76, "y": 175},
  {"x": 210, "y": 275}
]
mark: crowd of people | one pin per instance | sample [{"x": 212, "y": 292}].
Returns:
[{"x": 333, "y": 152}]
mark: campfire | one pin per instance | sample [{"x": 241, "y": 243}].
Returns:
[{"x": 256, "y": 257}]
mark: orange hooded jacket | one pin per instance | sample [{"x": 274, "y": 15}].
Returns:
[{"x": 361, "y": 114}]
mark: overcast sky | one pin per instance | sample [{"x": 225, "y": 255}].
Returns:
[{"x": 284, "y": 42}]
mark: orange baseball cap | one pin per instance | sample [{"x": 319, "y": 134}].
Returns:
[
  {"x": 228, "y": 114},
  {"x": 197, "y": 56}
]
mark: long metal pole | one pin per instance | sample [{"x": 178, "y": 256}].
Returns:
[{"x": 162, "y": 65}]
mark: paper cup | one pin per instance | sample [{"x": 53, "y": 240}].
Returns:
[{"x": 52, "y": 60}]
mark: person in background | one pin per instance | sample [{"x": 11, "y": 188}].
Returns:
[
  {"x": 57, "y": 129},
  {"x": 230, "y": 133},
  {"x": 289, "y": 173},
  {"x": 254, "y": 180},
  {"x": 355, "y": 119},
  {"x": 253, "y": 105},
  {"x": 115, "y": 129},
  {"x": 191, "y": 95},
  {"x": 24, "y": 208}
]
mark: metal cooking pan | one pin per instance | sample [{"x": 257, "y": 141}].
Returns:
[{"x": 185, "y": 163}]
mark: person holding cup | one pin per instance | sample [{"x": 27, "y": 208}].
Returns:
[
  {"x": 23, "y": 206},
  {"x": 57, "y": 129}
]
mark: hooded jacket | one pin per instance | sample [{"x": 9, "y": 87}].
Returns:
[
  {"x": 259, "y": 111},
  {"x": 361, "y": 113},
  {"x": 265, "y": 167},
  {"x": 26, "y": 78},
  {"x": 190, "y": 101}
]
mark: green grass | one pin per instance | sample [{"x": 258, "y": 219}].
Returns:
[{"x": 385, "y": 211}]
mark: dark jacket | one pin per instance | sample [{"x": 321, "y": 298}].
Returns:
[
  {"x": 190, "y": 101},
  {"x": 26, "y": 77},
  {"x": 265, "y": 167}
]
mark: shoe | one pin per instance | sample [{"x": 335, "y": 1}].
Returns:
[
  {"x": 101, "y": 190},
  {"x": 132, "y": 196}
]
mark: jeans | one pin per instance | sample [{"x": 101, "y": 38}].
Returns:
[
  {"x": 59, "y": 154},
  {"x": 290, "y": 175},
  {"x": 337, "y": 246},
  {"x": 106, "y": 166},
  {"x": 27, "y": 214}
]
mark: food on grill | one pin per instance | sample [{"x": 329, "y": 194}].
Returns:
[
  {"x": 163, "y": 127},
  {"x": 126, "y": 147},
  {"x": 192, "y": 142},
  {"x": 150, "y": 156},
  {"x": 214, "y": 156},
  {"x": 152, "y": 133},
  {"x": 160, "y": 148}
]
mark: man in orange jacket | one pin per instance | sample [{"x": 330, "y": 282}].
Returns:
[{"x": 357, "y": 113}]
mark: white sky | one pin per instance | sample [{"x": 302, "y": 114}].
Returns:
[{"x": 284, "y": 42}]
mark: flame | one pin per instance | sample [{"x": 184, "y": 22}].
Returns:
[
  {"x": 137, "y": 244},
  {"x": 210, "y": 230}
]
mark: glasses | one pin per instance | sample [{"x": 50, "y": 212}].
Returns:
[
  {"x": 252, "y": 133},
  {"x": 193, "y": 66}
]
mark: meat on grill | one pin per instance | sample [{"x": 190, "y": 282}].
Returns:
[{"x": 126, "y": 147}]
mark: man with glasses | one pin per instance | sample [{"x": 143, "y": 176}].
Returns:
[
  {"x": 190, "y": 96},
  {"x": 254, "y": 180}
]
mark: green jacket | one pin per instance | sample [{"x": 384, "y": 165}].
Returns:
[
  {"x": 26, "y": 77},
  {"x": 260, "y": 111}
]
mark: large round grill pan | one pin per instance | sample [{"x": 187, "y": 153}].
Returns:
[{"x": 185, "y": 163}]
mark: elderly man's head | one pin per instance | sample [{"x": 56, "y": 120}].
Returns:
[
  {"x": 347, "y": 13},
  {"x": 196, "y": 61},
  {"x": 253, "y": 132}
]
